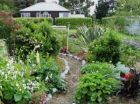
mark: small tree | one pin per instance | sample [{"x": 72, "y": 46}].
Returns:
[{"x": 102, "y": 9}]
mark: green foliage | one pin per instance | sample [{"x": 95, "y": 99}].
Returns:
[
  {"x": 129, "y": 55},
  {"x": 35, "y": 33},
  {"x": 128, "y": 7},
  {"x": 4, "y": 30},
  {"x": 106, "y": 48},
  {"x": 102, "y": 68},
  {"x": 95, "y": 89},
  {"x": 89, "y": 34},
  {"x": 6, "y": 5},
  {"x": 117, "y": 23},
  {"x": 79, "y": 7},
  {"x": 102, "y": 9},
  {"x": 49, "y": 72},
  {"x": 16, "y": 84},
  {"x": 74, "y": 22},
  {"x": 33, "y": 20}
]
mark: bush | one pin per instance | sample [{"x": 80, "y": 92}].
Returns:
[
  {"x": 49, "y": 73},
  {"x": 33, "y": 34},
  {"x": 74, "y": 22},
  {"x": 34, "y": 20},
  {"x": 106, "y": 48},
  {"x": 5, "y": 31},
  {"x": 102, "y": 68},
  {"x": 129, "y": 55},
  {"x": 95, "y": 89}
]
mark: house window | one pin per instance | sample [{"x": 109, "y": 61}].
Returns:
[
  {"x": 25, "y": 15},
  {"x": 63, "y": 14},
  {"x": 44, "y": 14},
  {"x": 38, "y": 14}
]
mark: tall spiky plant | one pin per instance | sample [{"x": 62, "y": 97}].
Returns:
[{"x": 87, "y": 35}]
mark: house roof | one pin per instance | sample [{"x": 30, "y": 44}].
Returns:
[{"x": 44, "y": 6}]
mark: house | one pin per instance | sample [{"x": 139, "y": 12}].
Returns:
[{"x": 45, "y": 9}]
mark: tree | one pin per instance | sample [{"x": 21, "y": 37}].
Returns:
[
  {"x": 77, "y": 6},
  {"x": 102, "y": 9},
  {"x": 7, "y": 5},
  {"x": 128, "y": 7}
]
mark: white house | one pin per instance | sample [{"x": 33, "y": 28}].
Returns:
[{"x": 45, "y": 9}]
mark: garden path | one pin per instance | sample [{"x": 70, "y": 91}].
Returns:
[{"x": 72, "y": 78}]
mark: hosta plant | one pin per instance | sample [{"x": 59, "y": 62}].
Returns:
[
  {"x": 95, "y": 89},
  {"x": 105, "y": 69}
]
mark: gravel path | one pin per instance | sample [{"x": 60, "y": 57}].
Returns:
[{"x": 72, "y": 79}]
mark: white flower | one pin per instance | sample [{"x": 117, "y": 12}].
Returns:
[
  {"x": 6, "y": 76},
  {"x": 51, "y": 76},
  {"x": 0, "y": 87},
  {"x": 38, "y": 78},
  {"x": 46, "y": 79},
  {"x": 2, "y": 73},
  {"x": 54, "y": 90}
]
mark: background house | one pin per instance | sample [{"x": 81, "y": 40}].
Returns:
[{"x": 45, "y": 9}]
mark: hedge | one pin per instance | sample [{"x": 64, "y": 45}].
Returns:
[
  {"x": 35, "y": 20},
  {"x": 74, "y": 22},
  {"x": 116, "y": 22}
]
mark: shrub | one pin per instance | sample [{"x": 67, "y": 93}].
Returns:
[
  {"x": 34, "y": 20},
  {"x": 50, "y": 73},
  {"x": 95, "y": 89},
  {"x": 102, "y": 68},
  {"x": 129, "y": 55},
  {"x": 33, "y": 34},
  {"x": 74, "y": 22},
  {"x": 5, "y": 31},
  {"x": 106, "y": 48}
]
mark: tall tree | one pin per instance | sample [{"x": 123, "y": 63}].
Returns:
[
  {"x": 102, "y": 9},
  {"x": 77, "y": 6}
]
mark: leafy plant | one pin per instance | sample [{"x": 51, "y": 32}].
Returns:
[
  {"x": 102, "y": 68},
  {"x": 16, "y": 84},
  {"x": 50, "y": 73},
  {"x": 90, "y": 34},
  {"x": 32, "y": 34},
  {"x": 74, "y": 22},
  {"x": 106, "y": 48},
  {"x": 95, "y": 89},
  {"x": 129, "y": 55}
]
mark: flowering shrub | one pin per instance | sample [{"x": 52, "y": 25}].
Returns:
[
  {"x": 16, "y": 84},
  {"x": 49, "y": 72}
]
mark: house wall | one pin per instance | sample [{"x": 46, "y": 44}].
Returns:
[
  {"x": 64, "y": 14},
  {"x": 52, "y": 14}
]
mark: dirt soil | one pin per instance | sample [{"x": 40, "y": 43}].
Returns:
[{"x": 72, "y": 79}]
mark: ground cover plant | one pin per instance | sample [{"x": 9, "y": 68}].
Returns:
[{"x": 97, "y": 83}]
